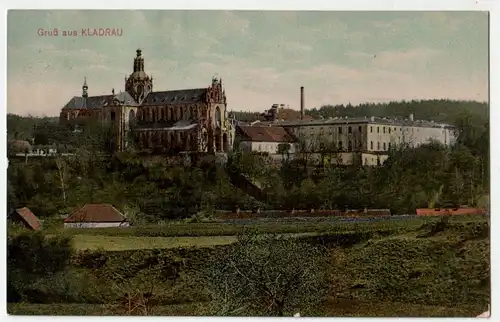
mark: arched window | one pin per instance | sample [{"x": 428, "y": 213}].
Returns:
[
  {"x": 131, "y": 118},
  {"x": 217, "y": 116}
]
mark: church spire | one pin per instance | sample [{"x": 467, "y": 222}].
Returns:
[
  {"x": 138, "y": 61},
  {"x": 85, "y": 88}
]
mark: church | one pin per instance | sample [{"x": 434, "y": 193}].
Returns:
[{"x": 188, "y": 120}]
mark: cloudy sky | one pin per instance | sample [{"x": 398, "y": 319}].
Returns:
[{"x": 262, "y": 57}]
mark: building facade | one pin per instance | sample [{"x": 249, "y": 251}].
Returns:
[
  {"x": 366, "y": 140},
  {"x": 165, "y": 121},
  {"x": 274, "y": 141}
]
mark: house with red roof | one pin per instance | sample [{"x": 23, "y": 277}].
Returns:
[
  {"x": 25, "y": 217},
  {"x": 266, "y": 139},
  {"x": 96, "y": 216}
]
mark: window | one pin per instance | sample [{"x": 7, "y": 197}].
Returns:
[
  {"x": 340, "y": 145},
  {"x": 113, "y": 116},
  {"x": 321, "y": 130},
  {"x": 371, "y": 145},
  {"x": 389, "y": 130},
  {"x": 349, "y": 146},
  {"x": 340, "y": 130},
  {"x": 378, "y": 129},
  {"x": 384, "y": 146},
  {"x": 371, "y": 129},
  {"x": 383, "y": 130},
  {"x": 360, "y": 129},
  {"x": 389, "y": 145},
  {"x": 349, "y": 130},
  {"x": 378, "y": 146}
]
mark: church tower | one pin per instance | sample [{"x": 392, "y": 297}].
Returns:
[
  {"x": 85, "y": 93},
  {"x": 139, "y": 84}
]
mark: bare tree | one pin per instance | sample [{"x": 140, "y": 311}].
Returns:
[
  {"x": 267, "y": 276},
  {"x": 62, "y": 174}
]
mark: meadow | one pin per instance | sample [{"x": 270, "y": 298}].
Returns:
[{"x": 413, "y": 267}]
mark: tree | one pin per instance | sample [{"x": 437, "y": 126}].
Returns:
[
  {"x": 267, "y": 276},
  {"x": 32, "y": 256}
]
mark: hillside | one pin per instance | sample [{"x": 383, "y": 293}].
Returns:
[
  {"x": 439, "y": 268},
  {"x": 435, "y": 110},
  {"x": 23, "y": 127}
]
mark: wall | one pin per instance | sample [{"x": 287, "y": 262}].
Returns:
[
  {"x": 381, "y": 137},
  {"x": 348, "y": 137},
  {"x": 96, "y": 225},
  {"x": 370, "y": 159},
  {"x": 269, "y": 147}
]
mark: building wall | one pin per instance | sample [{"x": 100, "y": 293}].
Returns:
[
  {"x": 370, "y": 159},
  {"x": 96, "y": 225},
  {"x": 381, "y": 137},
  {"x": 345, "y": 137},
  {"x": 269, "y": 147}
]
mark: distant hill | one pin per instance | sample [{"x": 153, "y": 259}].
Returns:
[
  {"x": 433, "y": 110},
  {"x": 22, "y": 127}
]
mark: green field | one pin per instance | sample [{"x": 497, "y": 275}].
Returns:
[
  {"x": 118, "y": 243},
  {"x": 388, "y": 268},
  {"x": 181, "y": 229}
]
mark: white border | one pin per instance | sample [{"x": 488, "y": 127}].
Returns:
[{"x": 361, "y": 5}]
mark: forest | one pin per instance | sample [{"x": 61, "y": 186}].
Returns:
[{"x": 150, "y": 190}]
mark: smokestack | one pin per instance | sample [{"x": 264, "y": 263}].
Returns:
[{"x": 302, "y": 102}]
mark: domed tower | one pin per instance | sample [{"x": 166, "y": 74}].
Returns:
[{"x": 139, "y": 84}]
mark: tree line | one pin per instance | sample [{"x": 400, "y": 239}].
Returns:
[{"x": 153, "y": 189}]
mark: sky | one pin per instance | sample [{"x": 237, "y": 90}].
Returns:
[{"x": 262, "y": 57}]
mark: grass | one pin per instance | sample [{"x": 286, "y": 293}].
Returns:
[
  {"x": 117, "y": 243},
  {"x": 120, "y": 243},
  {"x": 334, "y": 308},
  {"x": 405, "y": 273},
  {"x": 180, "y": 229}
]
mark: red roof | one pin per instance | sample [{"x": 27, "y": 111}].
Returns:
[
  {"x": 266, "y": 134},
  {"x": 96, "y": 213},
  {"x": 28, "y": 218}
]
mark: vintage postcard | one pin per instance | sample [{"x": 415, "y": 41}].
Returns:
[{"x": 248, "y": 163}]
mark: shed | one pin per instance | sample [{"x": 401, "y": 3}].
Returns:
[
  {"x": 25, "y": 217},
  {"x": 96, "y": 216}
]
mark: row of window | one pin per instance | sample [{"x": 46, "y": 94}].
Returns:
[
  {"x": 385, "y": 146},
  {"x": 388, "y": 129},
  {"x": 384, "y": 128},
  {"x": 349, "y": 130}
]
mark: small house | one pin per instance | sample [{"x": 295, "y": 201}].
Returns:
[
  {"x": 96, "y": 216},
  {"x": 25, "y": 217}
]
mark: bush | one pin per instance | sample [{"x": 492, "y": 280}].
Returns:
[{"x": 32, "y": 256}]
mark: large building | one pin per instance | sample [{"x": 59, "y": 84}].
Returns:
[
  {"x": 169, "y": 121},
  {"x": 367, "y": 139}
]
